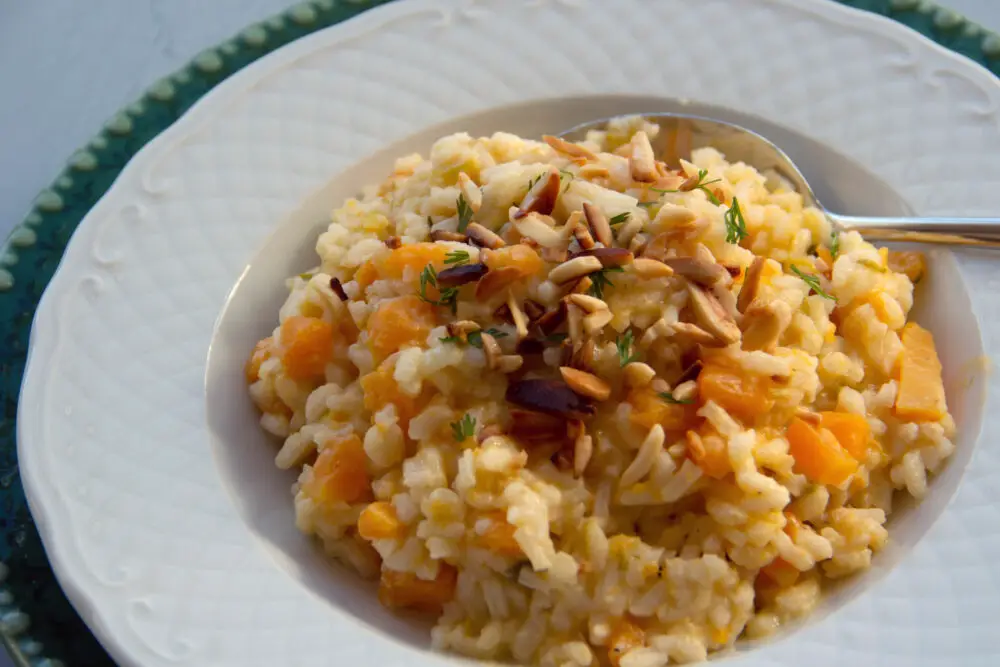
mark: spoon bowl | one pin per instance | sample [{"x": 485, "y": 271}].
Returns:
[{"x": 682, "y": 133}]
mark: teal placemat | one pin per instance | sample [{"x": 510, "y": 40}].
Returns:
[{"x": 37, "y": 624}]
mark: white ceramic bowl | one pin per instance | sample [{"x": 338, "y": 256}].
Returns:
[{"x": 176, "y": 559}]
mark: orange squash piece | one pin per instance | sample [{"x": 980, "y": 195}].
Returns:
[
  {"x": 911, "y": 263},
  {"x": 306, "y": 347},
  {"x": 401, "y": 322},
  {"x": 781, "y": 572},
  {"x": 261, "y": 353},
  {"x": 709, "y": 451},
  {"x": 626, "y": 636},
  {"x": 499, "y": 537},
  {"x": 340, "y": 473},
  {"x": 742, "y": 394},
  {"x": 410, "y": 260},
  {"x": 380, "y": 389},
  {"x": 921, "y": 390},
  {"x": 378, "y": 521},
  {"x": 404, "y": 590},
  {"x": 851, "y": 430},
  {"x": 366, "y": 274},
  {"x": 818, "y": 455},
  {"x": 521, "y": 257},
  {"x": 648, "y": 410}
]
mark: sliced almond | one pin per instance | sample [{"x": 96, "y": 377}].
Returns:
[
  {"x": 541, "y": 198},
  {"x": 685, "y": 391},
  {"x": 595, "y": 322},
  {"x": 473, "y": 195},
  {"x": 691, "y": 372},
  {"x": 568, "y": 149},
  {"x": 582, "y": 285},
  {"x": 574, "y": 269},
  {"x": 574, "y": 324},
  {"x": 591, "y": 171},
  {"x": 764, "y": 324},
  {"x": 598, "y": 223},
  {"x": 533, "y": 310},
  {"x": 644, "y": 267},
  {"x": 638, "y": 374},
  {"x": 445, "y": 235},
  {"x": 519, "y": 318},
  {"x": 638, "y": 244},
  {"x": 672, "y": 215},
  {"x": 641, "y": 160},
  {"x": 462, "y": 328},
  {"x": 692, "y": 333},
  {"x": 496, "y": 281},
  {"x": 583, "y": 358},
  {"x": 711, "y": 316},
  {"x": 555, "y": 255},
  {"x": 586, "y": 384},
  {"x": 482, "y": 237},
  {"x": 628, "y": 230},
  {"x": 583, "y": 450},
  {"x": 678, "y": 235},
  {"x": 491, "y": 348},
  {"x": 539, "y": 229},
  {"x": 552, "y": 320},
  {"x": 582, "y": 235},
  {"x": 588, "y": 303},
  {"x": 697, "y": 270},
  {"x": 751, "y": 284},
  {"x": 608, "y": 257},
  {"x": 510, "y": 363}
]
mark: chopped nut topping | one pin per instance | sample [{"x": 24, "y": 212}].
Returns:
[
  {"x": 582, "y": 286},
  {"x": 764, "y": 324},
  {"x": 638, "y": 244},
  {"x": 568, "y": 149},
  {"x": 337, "y": 288},
  {"x": 697, "y": 270},
  {"x": 491, "y": 348},
  {"x": 586, "y": 384},
  {"x": 573, "y": 269},
  {"x": 711, "y": 316},
  {"x": 502, "y": 313},
  {"x": 552, "y": 320},
  {"x": 694, "y": 334},
  {"x": 595, "y": 322},
  {"x": 671, "y": 215},
  {"x": 510, "y": 363},
  {"x": 483, "y": 237},
  {"x": 462, "y": 328},
  {"x": 685, "y": 391},
  {"x": 598, "y": 223},
  {"x": 541, "y": 198},
  {"x": 552, "y": 397},
  {"x": 519, "y": 318},
  {"x": 582, "y": 234},
  {"x": 751, "y": 283},
  {"x": 644, "y": 267},
  {"x": 691, "y": 372},
  {"x": 628, "y": 230},
  {"x": 588, "y": 303},
  {"x": 589, "y": 171},
  {"x": 583, "y": 358},
  {"x": 555, "y": 254},
  {"x": 496, "y": 281},
  {"x": 638, "y": 374},
  {"x": 393, "y": 242},
  {"x": 473, "y": 195},
  {"x": 539, "y": 229},
  {"x": 461, "y": 275},
  {"x": 533, "y": 310},
  {"x": 608, "y": 257},
  {"x": 574, "y": 320},
  {"x": 641, "y": 160},
  {"x": 583, "y": 450},
  {"x": 444, "y": 235}
]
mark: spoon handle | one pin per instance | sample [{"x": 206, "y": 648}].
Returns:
[{"x": 982, "y": 232}]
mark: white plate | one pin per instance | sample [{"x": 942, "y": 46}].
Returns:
[{"x": 145, "y": 534}]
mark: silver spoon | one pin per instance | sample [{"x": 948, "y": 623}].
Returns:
[{"x": 680, "y": 134}]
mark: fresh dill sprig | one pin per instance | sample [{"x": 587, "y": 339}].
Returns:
[
  {"x": 601, "y": 281},
  {"x": 813, "y": 282},
  {"x": 624, "y": 343},
  {"x": 620, "y": 218},
  {"x": 464, "y": 428},
  {"x": 476, "y": 337},
  {"x": 834, "y": 244},
  {"x": 669, "y": 398},
  {"x": 464, "y": 213},
  {"x": 569, "y": 178},
  {"x": 700, "y": 184},
  {"x": 447, "y": 297},
  {"x": 450, "y": 339},
  {"x": 736, "y": 226},
  {"x": 456, "y": 257}
]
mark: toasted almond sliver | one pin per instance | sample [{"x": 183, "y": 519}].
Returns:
[
  {"x": 574, "y": 324},
  {"x": 711, "y": 316},
  {"x": 594, "y": 322},
  {"x": 589, "y": 304},
  {"x": 496, "y": 281},
  {"x": 535, "y": 226},
  {"x": 764, "y": 324},
  {"x": 462, "y": 328},
  {"x": 552, "y": 320},
  {"x": 592, "y": 170},
  {"x": 642, "y": 161},
  {"x": 541, "y": 198},
  {"x": 473, "y": 195},
  {"x": 583, "y": 358},
  {"x": 510, "y": 363},
  {"x": 491, "y": 348},
  {"x": 555, "y": 255},
  {"x": 694, "y": 334},
  {"x": 582, "y": 234},
  {"x": 573, "y": 269},
  {"x": 697, "y": 270},
  {"x": 583, "y": 450},
  {"x": 685, "y": 391},
  {"x": 484, "y": 237},
  {"x": 518, "y": 316},
  {"x": 583, "y": 285},
  {"x": 586, "y": 384},
  {"x": 598, "y": 223},
  {"x": 533, "y": 310},
  {"x": 645, "y": 267},
  {"x": 638, "y": 374},
  {"x": 672, "y": 214},
  {"x": 751, "y": 283},
  {"x": 567, "y": 148},
  {"x": 628, "y": 230},
  {"x": 638, "y": 244},
  {"x": 444, "y": 235}
]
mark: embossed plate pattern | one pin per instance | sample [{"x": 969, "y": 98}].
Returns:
[{"x": 111, "y": 426}]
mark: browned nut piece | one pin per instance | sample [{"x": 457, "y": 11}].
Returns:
[
  {"x": 764, "y": 324},
  {"x": 393, "y": 242},
  {"x": 533, "y": 309},
  {"x": 609, "y": 257},
  {"x": 540, "y": 229},
  {"x": 444, "y": 235},
  {"x": 574, "y": 324},
  {"x": 551, "y": 397},
  {"x": 694, "y": 334},
  {"x": 638, "y": 374},
  {"x": 552, "y": 320},
  {"x": 628, "y": 230},
  {"x": 496, "y": 281},
  {"x": 534, "y": 427},
  {"x": 337, "y": 288},
  {"x": 586, "y": 302},
  {"x": 691, "y": 372},
  {"x": 462, "y": 328},
  {"x": 582, "y": 285},
  {"x": 483, "y": 237},
  {"x": 751, "y": 284},
  {"x": 586, "y": 384},
  {"x": 491, "y": 348},
  {"x": 711, "y": 316},
  {"x": 638, "y": 244},
  {"x": 470, "y": 191},
  {"x": 697, "y": 270},
  {"x": 583, "y": 358},
  {"x": 510, "y": 363},
  {"x": 672, "y": 214},
  {"x": 519, "y": 318},
  {"x": 660, "y": 386},
  {"x": 568, "y": 149},
  {"x": 574, "y": 269},
  {"x": 541, "y": 198},
  {"x": 641, "y": 160},
  {"x": 555, "y": 254},
  {"x": 502, "y": 313},
  {"x": 461, "y": 275},
  {"x": 598, "y": 223},
  {"x": 582, "y": 234},
  {"x": 685, "y": 391},
  {"x": 595, "y": 322},
  {"x": 589, "y": 171},
  {"x": 644, "y": 267},
  {"x": 583, "y": 450}
]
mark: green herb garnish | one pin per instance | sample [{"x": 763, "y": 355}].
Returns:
[
  {"x": 620, "y": 218},
  {"x": 476, "y": 337},
  {"x": 669, "y": 398},
  {"x": 569, "y": 178},
  {"x": 873, "y": 265},
  {"x": 464, "y": 428},
  {"x": 456, "y": 257},
  {"x": 600, "y": 280},
  {"x": 834, "y": 244},
  {"x": 813, "y": 282},
  {"x": 450, "y": 339},
  {"x": 736, "y": 226},
  {"x": 646, "y": 204},
  {"x": 464, "y": 213},
  {"x": 701, "y": 184},
  {"x": 624, "y": 344},
  {"x": 307, "y": 276},
  {"x": 448, "y": 297}
]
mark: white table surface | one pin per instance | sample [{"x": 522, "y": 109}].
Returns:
[{"x": 67, "y": 65}]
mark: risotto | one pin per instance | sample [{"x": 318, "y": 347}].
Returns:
[{"x": 585, "y": 408}]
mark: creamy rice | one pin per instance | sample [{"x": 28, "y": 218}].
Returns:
[{"x": 585, "y": 456}]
